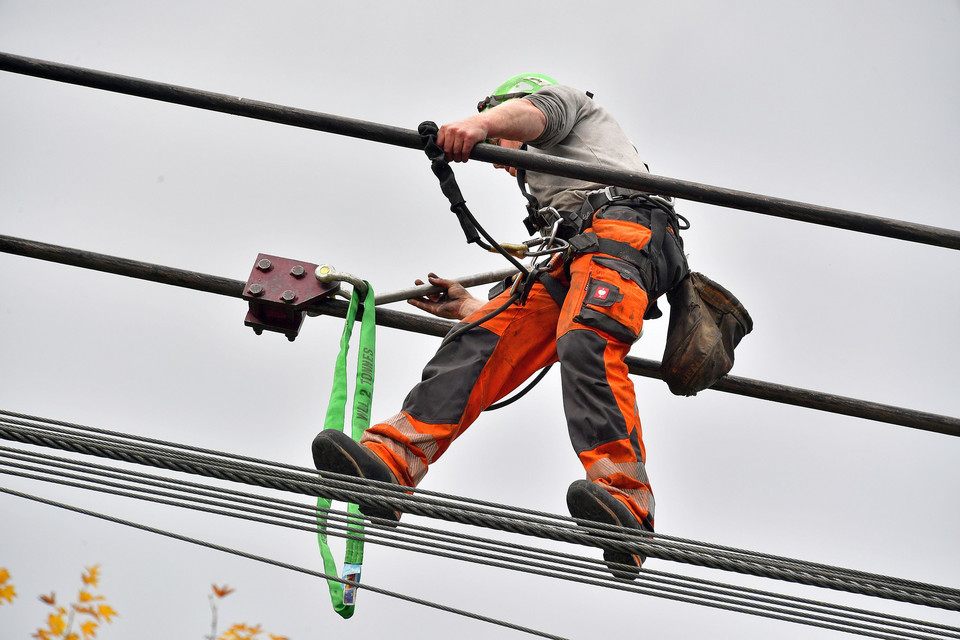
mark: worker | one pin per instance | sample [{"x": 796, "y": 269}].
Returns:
[{"x": 586, "y": 312}]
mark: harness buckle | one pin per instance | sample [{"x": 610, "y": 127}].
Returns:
[{"x": 541, "y": 220}]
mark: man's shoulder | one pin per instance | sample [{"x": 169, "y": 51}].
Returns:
[{"x": 561, "y": 92}]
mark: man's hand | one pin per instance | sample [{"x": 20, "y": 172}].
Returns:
[
  {"x": 512, "y": 120},
  {"x": 458, "y": 139},
  {"x": 454, "y": 303}
]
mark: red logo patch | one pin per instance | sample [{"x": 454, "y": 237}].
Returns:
[{"x": 602, "y": 293}]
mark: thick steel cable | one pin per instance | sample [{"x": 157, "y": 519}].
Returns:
[
  {"x": 397, "y": 136},
  {"x": 737, "y": 598},
  {"x": 736, "y": 560},
  {"x": 742, "y": 562},
  {"x": 759, "y": 389},
  {"x": 283, "y": 565},
  {"x": 538, "y": 516},
  {"x": 496, "y": 511},
  {"x": 271, "y": 504}
]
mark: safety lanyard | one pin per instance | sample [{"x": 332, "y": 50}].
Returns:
[{"x": 342, "y": 595}]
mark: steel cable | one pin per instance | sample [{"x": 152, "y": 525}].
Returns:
[
  {"x": 552, "y": 527},
  {"x": 737, "y": 560},
  {"x": 284, "y": 565},
  {"x": 947, "y": 425},
  {"x": 748, "y": 601},
  {"x": 645, "y": 182},
  {"x": 117, "y": 437}
]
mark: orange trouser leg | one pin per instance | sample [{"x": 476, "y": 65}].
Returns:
[
  {"x": 601, "y": 318},
  {"x": 465, "y": 377}
]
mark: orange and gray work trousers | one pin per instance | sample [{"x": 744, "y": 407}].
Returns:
[{"x": 590, "y": 334}]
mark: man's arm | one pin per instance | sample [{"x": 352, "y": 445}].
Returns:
[{"x": 516, "y": 119}]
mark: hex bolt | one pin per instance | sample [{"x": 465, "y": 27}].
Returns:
[
  {"x": 264, "y": 265},
  {"x": 297, "y": 271},
  {"x": 288, "y": 296},
  {"x": 255, "y": 289}
]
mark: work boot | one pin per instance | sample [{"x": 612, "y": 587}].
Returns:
[
  {"x": 589, "y": 503},
  {"x": 337, "y": 452}
]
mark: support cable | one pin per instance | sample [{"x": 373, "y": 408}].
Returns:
[
  {"x": 283, "y": 565},
  {"x": 300, "y": 480},
  {"x": 410, "y": 139},
  {"x": 556, "y": 528},
  {"x": 759, "y": 389},
  {"x": 284, "y": 513}
]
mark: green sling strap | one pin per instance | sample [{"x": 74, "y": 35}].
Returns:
[{"x": 342, "y": 595}]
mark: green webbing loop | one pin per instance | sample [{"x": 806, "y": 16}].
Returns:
[{"x": 342, "y": 595}]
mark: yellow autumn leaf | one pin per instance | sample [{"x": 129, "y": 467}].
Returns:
[
  {"x": 85, "y": 596},
  {"x": 4, "y": 575},
  {"x": 41, "y": 634},
  {"x": 106, "y": 611},
  {"x": 72, "y": 636},
  {"x": 90, "y": 611},
  {"x": 89, "y": 629},
  {"x": 273, "y": 637},
  {"x": 56, "y": 624},
  {"x": 92, "y": 576},
  {"x": 222, "y": 592},
  {"x": 7, "y": 593}
]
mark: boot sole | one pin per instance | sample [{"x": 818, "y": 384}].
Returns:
[
  {"x": 587, "y": 505},
  {"x": 332, "y": 456}
]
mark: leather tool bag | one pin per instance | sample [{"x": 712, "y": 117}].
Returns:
[{"x": 706, "y": 323}]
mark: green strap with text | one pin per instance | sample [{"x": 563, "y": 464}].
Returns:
[{"x": 343, "y": 595}]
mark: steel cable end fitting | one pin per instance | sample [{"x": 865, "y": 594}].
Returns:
[{"x": 326, "y": 273}]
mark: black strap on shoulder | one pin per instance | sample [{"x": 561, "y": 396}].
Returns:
[{"x": 532, "y": 222}]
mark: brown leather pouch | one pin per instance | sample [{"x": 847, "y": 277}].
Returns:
[{"x": 706, "y": 323}]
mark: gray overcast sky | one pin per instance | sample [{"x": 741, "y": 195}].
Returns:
[{"x": 851, "y": 105}]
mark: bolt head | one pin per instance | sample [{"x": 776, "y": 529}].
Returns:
[
  {"x": 297, "y": 271},
  {"x": 288, "y": 296},
  {"x": 264, "y": 264},
  {"x": 255, "y": 289}
]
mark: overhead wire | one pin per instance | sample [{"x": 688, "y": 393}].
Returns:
[
  {"x": 743, "y": 562},
  {"x": 291, "y": 116},
  {"x": 820, "y": 401},
  {"x": 269, "y": 510},
  {"x": 283, "y": 565},
  {"x": 463, "y": 510}
]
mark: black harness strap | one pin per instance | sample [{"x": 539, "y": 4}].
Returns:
[
  {"x": 448, "y": 182},
  {"x": 554, "y": 287},
  {"x": 590, "y": 243}
]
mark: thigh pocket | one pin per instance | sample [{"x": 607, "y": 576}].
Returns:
[{"x": 613, "y": 302}]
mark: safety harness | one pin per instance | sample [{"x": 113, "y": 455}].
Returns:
[{"x": 701, "y": 334}]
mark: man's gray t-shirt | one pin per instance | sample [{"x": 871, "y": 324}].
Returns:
[{"x": 577, "y": 129}]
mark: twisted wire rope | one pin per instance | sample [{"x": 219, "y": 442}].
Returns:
[
  {"x": 350, "y": 489},
  {"x": 283, "y": 565},
  {"x": 374, "y": 488},
  {"x": 810, "y": 610}
]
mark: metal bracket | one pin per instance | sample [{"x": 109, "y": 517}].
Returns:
[{"x": 278, "y": 290}]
